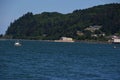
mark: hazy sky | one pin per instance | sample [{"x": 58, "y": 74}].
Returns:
[{"x": 11, "y": 10}]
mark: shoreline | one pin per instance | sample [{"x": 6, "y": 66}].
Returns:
[
  {"x": 83, "y": 41},
  {"x": 93, "y": 41}
]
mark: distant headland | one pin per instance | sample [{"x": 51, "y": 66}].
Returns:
[{"x": 97, "y": 23}]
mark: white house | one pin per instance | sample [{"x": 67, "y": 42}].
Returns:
[
  {"x": 116, "y": 40},
  {"x": 65, "y": 39}
]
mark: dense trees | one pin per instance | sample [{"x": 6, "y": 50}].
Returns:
[{"x": 53, "y": 25}]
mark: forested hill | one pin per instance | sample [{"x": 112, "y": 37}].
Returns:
[{"x": 53, "y": 25}]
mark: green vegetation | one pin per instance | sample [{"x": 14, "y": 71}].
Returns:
[{"x": 53, "y": 25}]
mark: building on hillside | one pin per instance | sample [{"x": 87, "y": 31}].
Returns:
[
  {"x": 79, "y": 33},
  {"x": 98, "y": 35},
  {"x": 93, "y": 28},
  {"x": 94, "y": 35}
]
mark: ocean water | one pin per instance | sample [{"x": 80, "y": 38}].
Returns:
[{"x": 38, "y": 60}]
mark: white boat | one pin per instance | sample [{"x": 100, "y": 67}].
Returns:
[{"x": 17, "y": 44}]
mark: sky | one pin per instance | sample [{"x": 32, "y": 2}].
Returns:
[{"x": 11, "y": 10}]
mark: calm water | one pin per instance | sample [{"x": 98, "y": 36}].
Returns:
[{"x": 36, "y": 60}]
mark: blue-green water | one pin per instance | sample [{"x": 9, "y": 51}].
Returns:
[{"x": 37, "y": 60}]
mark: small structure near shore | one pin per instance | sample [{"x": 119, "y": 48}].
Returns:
[
  {"x": 115, "y": 39},
  {"x": 65, "y": 39}
]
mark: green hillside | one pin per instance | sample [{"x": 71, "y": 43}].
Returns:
[{"x": 53, "y": 25}]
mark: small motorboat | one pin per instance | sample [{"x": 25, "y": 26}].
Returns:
[{"x": 17, "y": 44}]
